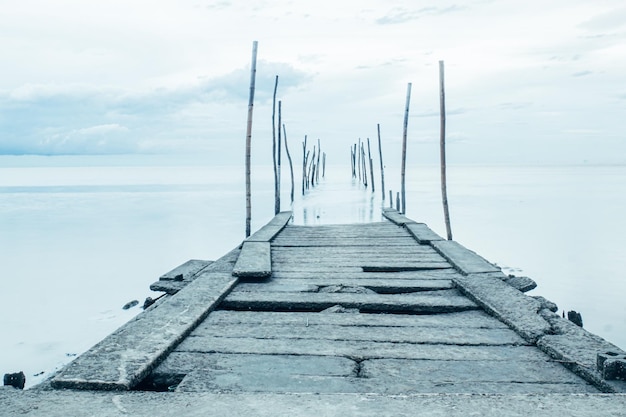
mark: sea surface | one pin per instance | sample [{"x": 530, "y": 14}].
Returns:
[{"x": 82, "y": 236}]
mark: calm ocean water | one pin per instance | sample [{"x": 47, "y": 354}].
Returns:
[{"x": 81, "y": 236}]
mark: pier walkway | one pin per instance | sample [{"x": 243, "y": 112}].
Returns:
[{"x": 343, "y": 317}]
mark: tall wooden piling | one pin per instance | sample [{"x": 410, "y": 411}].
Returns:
[
  {"x": 249, "y": 139},
  {"x": 290, "y": 162},
  {"x": 382, "y": 167},
  {"x": 404, "y": 135},
  {"x": 305, "y": 156},
  {"x": 278, "y": 159},
  {"x": 442, "y": 149},
  {"x": 369, "y": 155},
  {"x": 276, "y": 176}
]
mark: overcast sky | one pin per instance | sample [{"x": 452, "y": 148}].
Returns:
[{"x": 526, "y": 81}]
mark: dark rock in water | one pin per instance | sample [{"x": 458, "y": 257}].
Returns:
[
  {"x": 130, "y": 304},
  {"x": 17, "y": 380},
  {"x": 149, "y": 301},
  {"x": 575, "y": 318}
]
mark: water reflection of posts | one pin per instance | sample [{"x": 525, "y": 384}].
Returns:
[
  {"x": 442, "y": 148},
  {"x": 249, "y": 138},
  {"x": 404, "y": 134}
]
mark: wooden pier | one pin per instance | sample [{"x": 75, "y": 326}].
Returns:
[{"x": 341, "y": 317}]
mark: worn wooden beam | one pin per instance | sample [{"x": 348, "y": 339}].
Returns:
[
  {"x": 254, "y": 260},
  {"x": 271, "y": 229},
  {"x": 463, "y": 259}
]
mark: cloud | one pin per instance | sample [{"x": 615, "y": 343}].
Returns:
[
  {"x": 610, "y": 20},
  {"x": 401, "y": 15},
  {"x": 89, "y": 119}
]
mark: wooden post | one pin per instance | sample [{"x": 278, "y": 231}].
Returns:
[
  {"x": 442, "y": 149},
  {"x": 249, "y": 139},
  {"x": 276, "y": 178},
  {"x": 390, "y": 199},
  {"x": 382, "y": 167},
  {"x": 312, "y": 168},
  {"x": 369, "y": 155},
  {"x": 279, "y": 154},
  {"x": 324, "y": 165},
  {"x": 359, "y": 159},
  {"x": 398, "y": 201},
  {"x": 319, "y": 154},
  {"x": 404, "y": 134},
  {"x": 290, "y": 162},
  {"x": 304, "y": 159},
  {"x": 364, "y": 164}
]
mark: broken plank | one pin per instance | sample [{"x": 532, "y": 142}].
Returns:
[
  {"x": 125, "y": 357},
  {"x": 396, "y": 217},
  {"x": 463, "y": 259},
  {"x": 254, "y": 260},
  {"x": 415, "y": 303},
  {"x": 186, "y": 270},
  {"x": 382, "y": 286}
]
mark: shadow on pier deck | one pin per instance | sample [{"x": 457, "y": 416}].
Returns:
[{"x": 338, "y": 318}]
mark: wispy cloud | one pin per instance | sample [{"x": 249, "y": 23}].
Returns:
[{"x": 402, "y": 15}]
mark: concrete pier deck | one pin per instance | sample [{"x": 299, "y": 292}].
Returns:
[{"x": 381, "y": 318}]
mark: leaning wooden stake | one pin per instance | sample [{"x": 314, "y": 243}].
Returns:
[
  {"x": 324, "y": 165},
  {"x": 249, "y": 139},
  {"x": 404, "y": 134},
  {"x": 442, "y": 148},
  {"x": 359, "y": 159},
  {"x": 304, "y": 158},
  {"x": 276, "y": 177},
  {"x": 369, "y": 155},
  {"x": 290, "y": 162},
  {"x": 317, "y": 165},
  {"x": 382, "y": 167}
]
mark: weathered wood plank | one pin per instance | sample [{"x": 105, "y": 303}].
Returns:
[
  {"x": 458, "y": 336},
  {"x": 292, "y": 384},
  {"x": 383, "y": 241},
  {"x": 360, "y": 260},
  {"x": 341, "y": 269},
  {"x": 359, "y": 349},
  {"x": 464, "y": 319},
  {"x": 407, "y": 372},
  {"x": 396, "y": 217},
  {"x": 186, "y": 270},
  {"x": 416, "y": 302},
  {"x": 506, "y": 303},
  {"x": 271, "y": 229},
  {"x": 254, "y": 260},
  {"x": 463, "y": 259},
  {"x": 435, "y": 274},
  {"x": 126, "y": 356},
  {"x": 382, "y": 286},
  {"x": 422, "y": 233},
  {"x": 343, "y": 251},
  {"x": 314, "y": 365}
]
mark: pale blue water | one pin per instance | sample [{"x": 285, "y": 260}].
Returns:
[{"x": 80, "y": 236}]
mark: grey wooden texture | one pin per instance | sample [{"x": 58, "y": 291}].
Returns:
[
  {"x": 188, "y": 269},
  {"x": 524, "y": 284},
  {"x": 254, "y": 260},
  {"x": 379, "y": 229},
  {"x": 394, "y": 252},
  {"x": 359, "y": 349},
  {"x": 463, "y": 319},
  {"x": 506, "y": 303},
  {"x": 463, "y": 259},
  {"x": 396, "y": 217},
  {"x": 126, "y": 356},
  {"x": 169, "y": 287},
  {"x": 416, "y": 302},
  {"x": 458, "y": 336},
  {"x": 271, "y": 229},
  {"x": 382, "y": 286},
  {"x": 433, "y": 274},
  {"x": 422, "y": 233}
]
